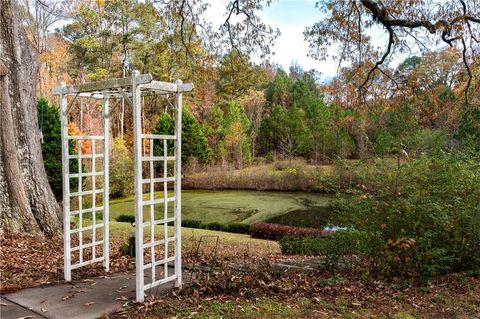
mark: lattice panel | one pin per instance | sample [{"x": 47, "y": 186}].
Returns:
[
  {"x": 159, "y": 214},
  {"x": 85, "y": 161}
]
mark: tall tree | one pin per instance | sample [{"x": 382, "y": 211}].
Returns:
[
  {"x": 27, "y": 202},
  {"x": 406, "y": 24},
  {"x": 237, "y": 75}
]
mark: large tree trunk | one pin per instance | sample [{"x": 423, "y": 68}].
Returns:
[{"x": 27, "y": 202}]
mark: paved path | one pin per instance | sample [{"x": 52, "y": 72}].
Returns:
[
  {"x": 95, "y": 297},
  {"x": 11, "y": 310},
  {"x": 308, "y": 264},
  {"x": 89, "y": 298}
]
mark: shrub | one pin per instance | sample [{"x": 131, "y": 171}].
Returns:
[
  {"x": 126, "y": 219},
  {"x": 431, "y": 142},
  {"x": 194, "y": 142},
  {"x": 49, "y": 122},
  {"x": 277, "y": 231},
  {"x": 384, "y": 142},
  {"x": 121, "y": 169},
  {"x": 422, "y": 219},
  {"x": 191, "y": 223},
  {"x": 468, "y": 131},
  {"x": 214, "y": 226},
  {"x": 313, "y": 216},
  {"x": 291, "y": 245},
  {"x": 237, "y": 228},
  {"x": 340, "y": 243},
  {"x": 128, "y": 247}
]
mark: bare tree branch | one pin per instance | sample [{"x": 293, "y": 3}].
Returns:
[{"x": 446, "y": 26}]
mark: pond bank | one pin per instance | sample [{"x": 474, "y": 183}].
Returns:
[{"x": 287, "y": 176}]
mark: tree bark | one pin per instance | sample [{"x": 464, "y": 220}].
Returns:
[{"x": 27, "y": 202}]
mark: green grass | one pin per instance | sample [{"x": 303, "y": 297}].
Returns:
[
  {"x": 229, "y": 243},
  {"x": 229, "y": 206},
  {"x": 232, "y": 309}
]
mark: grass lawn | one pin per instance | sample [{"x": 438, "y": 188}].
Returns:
[
  {"x": 230, "y": 206},
  {"x": 229, "y": 243}
]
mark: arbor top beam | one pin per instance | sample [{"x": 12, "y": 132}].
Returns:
[{"x": 111, "y": 87}]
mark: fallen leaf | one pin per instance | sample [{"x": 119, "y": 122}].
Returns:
[{"x": 88, "y": 304}]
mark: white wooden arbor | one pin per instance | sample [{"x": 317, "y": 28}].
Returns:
[{"x": 162, "y": 246}]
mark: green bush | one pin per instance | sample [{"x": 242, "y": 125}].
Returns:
[
  {"x": 420, "y": 218},
  {"x": 194, "y": 142},
  {"x": 128, "y": 247},
  {"x": 191, "y": 223},
  {"x": 237, "y": 228},
  {"x": 292, "y": 245},
  {"x": 384, "y": 142},
  {"x": 121, "y": 169},
  {"x": 126, "y": 219},
  {"x": 49, "y": 123},
  {"x": 276, "y": 231},
  {"x": 214, "y": 226},
  {"x": 469, "y": 127},
  {"x": 427, "y": 141},
  {"x": 339, "y": 243}
]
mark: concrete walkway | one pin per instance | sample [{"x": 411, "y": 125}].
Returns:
[
  {"x": 308, "y": 264},
  {"x": 88, "y": 298},
  {"x": 10, "y": 310}
]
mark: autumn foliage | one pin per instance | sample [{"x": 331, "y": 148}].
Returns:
[{"x": 86, "y": 145}]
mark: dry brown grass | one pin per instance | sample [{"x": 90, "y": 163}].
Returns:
[{"x": 284, "y": 175}]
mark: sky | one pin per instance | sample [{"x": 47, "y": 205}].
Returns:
[{"x": 291, "y": 17}]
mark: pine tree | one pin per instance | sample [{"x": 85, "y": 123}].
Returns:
[
  {"x": 49, "y": 123},
  {"x": 194, "y": 142}
]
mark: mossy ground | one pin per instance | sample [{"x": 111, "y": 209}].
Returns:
[{"x": 230, "y": 206}]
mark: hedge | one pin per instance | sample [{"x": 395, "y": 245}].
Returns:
[
  {"x": 126, "y": 219},
  {"x": 277, "y": 231},
  {"x": 238, "y": 228}
]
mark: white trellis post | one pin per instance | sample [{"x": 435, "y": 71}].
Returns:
[
  {"x": 106, "y": 181},
  {"x": 67, "y": 270},
  {"x": 137, "y": 150},
  {"x": 178, "y": 186}
]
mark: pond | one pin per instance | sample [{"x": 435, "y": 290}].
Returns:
[
  {"x": 316, "y": 217},
  {"x": 232, "y": 206}
]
